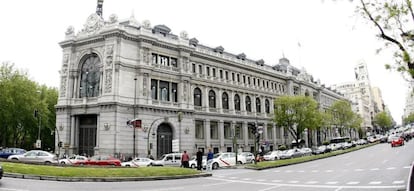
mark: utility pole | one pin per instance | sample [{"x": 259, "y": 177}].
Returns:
[{"x": 135, "y": 105}]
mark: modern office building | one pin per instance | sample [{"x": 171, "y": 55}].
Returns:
[{"x": 184, "y": 94}]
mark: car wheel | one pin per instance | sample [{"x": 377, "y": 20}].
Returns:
[
  {"x": 128, "y": 165},
  {"x": 47, "y": 162},
  {"x": 193, "y": 166},
  {"x": 62, "y": 163},
  {"x": 275, "y": 158},
  {"x": 15, "y": 159},
  {"x": 215, "y": 165},
  {"x": 239, "y": 162}
]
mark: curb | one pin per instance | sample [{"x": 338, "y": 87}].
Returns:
[{"x": 101, "y": 179}]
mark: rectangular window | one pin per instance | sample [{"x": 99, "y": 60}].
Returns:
[
  {"x": 254, "y": 81},
  {"x": 232, "y": 77},
  {"x": 154, "y": 89},
  {"x": 164, "y": 60},
  {"x": 199, "y": 129},
  {"x": 194, "y": 68},
  {"x": 208, "y": 71},
  {"x": 250, "y": 126},
  {"x": 238, "y": 77},
  {"x": 244, "y": 79},
  {"x": 248, "y": 80},
  {"x": 200, "y": 69},
  {"x": 164, "y": 91},
  {"x": 154, "y": 58},
  {"x": 221, "y": 74},
  {"x": 227, "y": 75},
  {"x": 173, "y": 62},
  {"x": 270, "y": 132},
  {"x": 238, "y": 130},
  {"x": 227, "y": 130},
  {"x": 174, "y": 92},
  {"x": 214, "y": 72},
  {"x": 213, "y": 130}
]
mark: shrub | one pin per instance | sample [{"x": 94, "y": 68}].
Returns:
[
  {"x": 282, "y": 147},
  {"x": 325, "y": 143}
]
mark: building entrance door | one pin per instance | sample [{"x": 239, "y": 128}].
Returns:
[
  {"x": 164, "y": 139},
  {"x": 87, "y": 134}
]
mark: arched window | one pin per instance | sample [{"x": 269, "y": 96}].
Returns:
[
  {"x": 197, "y": 97},
  {"x": 225, "y": 100},
  {"x": 267, "y": 106},
  {"x": 258, "y": 109},
  {"x": 90, "y": 76},
  {"x": 237, "y": 102},
  {"x": 248, "y": 104},
  {"x": 212, "y": 99}
]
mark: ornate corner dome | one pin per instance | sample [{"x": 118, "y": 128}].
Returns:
[
  {"x": 219, "y": 49},
  {"x": 193, "y": 42},
  {"x": 241, "y": 56},
  {"x": 93, "y": 24},
  {"x": 161, "y": 29},
  {"x": 260, "y": 62}
]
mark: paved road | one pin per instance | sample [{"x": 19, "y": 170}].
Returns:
[{"x": 375, "y": 168}]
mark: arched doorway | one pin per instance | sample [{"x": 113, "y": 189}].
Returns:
[{"x": 164, "y": 139}]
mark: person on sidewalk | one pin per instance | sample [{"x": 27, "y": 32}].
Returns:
[
  {"x": 210, "y": 156},
  {"x": 199, "y": 159},
  {"x": 185, "y": 160}
]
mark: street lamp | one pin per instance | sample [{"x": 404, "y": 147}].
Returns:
[
  {"x": 135, "y": 105},
  {"x": 39, "y": 120}
]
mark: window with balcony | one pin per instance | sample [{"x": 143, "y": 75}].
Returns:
[
  {"x": 164, "y": 91},
  {"x": 214, "y": 131},
  {"x": 258, "y": 109},
  {"x": 267, "y": 106},
  {"x": 237, "y": 102},
  {"x": 208, "y": 71},
  {"x": 174, "y": 92},
  {"x": 154, "y": 58},
  {"x": 194, "y": 68},
  {"x": 225, "y": 100},
  {"x": 174, "y": 62},
  {"x": 197, "y": 97},
  {"x": 248, "y": 104},
  {"x": 270, "y": 131},
  {"x": 154, "y": 89},
  {"x": 212, "y": 99},
  {"x": 214, "y": 72},
  {"x": 221, "y": 74},
  {"x": 200, "y": 69}
]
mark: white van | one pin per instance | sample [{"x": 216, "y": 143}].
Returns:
[{"x": 170, "y": 159}]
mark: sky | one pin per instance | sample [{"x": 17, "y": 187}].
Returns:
[{"x": 325, "y": 37}]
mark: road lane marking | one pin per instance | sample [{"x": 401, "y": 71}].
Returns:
[
  {"x": 301, "y": 171},
  {"x": 353, "y": 183},
  {"x": 261, "y": 180},
  {"x": 374, "y": 169},
  {"x": 246, "y": 179},
  {"x": 270, "y": 188},
  {"x": 333, "y": 182},
  {"x": 293, "y": 181},
  {"x": 276, "y": 180},
  {"x": 328, "y": 170},
  {"x": 375, "y": 182},
  {"x": 276, "y": 171},
  {"x": 391, "y": 168},
  {"x": 398, "y": 182},
  {"x": 288, "y": 171},
  {"x": 315, "y": 170},
  {"x": 311, "y": 182},
  {"x": 233, "y": 177},
  {"x": 407, "y": 167},
  {"x": 338, "y": 189},
  {"x": 359, "y": 170}
]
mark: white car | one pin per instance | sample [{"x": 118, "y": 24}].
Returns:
[
  {"x": 35, "y": 156},
  {"x": 72, "y": 160},
  {"x": 138, "y": 162},
  {"x": 249, "y": 156},
  {"x": 272, "y": 155},
  {"x": 227, "y": 159},
  {"x": 193, "y": 162},
  {"x": 306, "y": 151}
]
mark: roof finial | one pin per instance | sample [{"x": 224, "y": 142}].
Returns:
[{"x": 99, "y": 8}]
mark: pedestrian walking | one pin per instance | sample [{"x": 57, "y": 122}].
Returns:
[
  {"x": 184, "y": 160},
  {"x": 210, "y": 156},
  {"x": 199, "y": 159}
]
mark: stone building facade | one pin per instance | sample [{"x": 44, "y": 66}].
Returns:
[{"x": 119, "y": 70}]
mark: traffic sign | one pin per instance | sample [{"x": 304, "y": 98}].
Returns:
[{"x": 38, "y": 144}]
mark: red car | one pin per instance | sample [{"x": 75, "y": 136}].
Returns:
[
  {"x": 397, "y": 141},
  {"x": 100, "y": 160}
]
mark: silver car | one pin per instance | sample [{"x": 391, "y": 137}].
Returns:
[{"x": 35, "y": 156}]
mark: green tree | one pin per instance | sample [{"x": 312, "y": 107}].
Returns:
[
  {"x": 342, "y": 115},
  {"x": 394, "y": 21},
  {"x": 383, "y": 120},
  {"x": 355, "y": 125},
  {"x": 19, "y": 98},
  {"x": 409, "y": 119},
  {"x": 297, "y": 113}
]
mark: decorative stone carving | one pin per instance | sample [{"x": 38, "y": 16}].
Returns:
[
  {"x": 185, "y": 63},
  {"x": 185, "y": 91},
  {"x": 63, "y": 87},
  {"x": 184, "y": 35},
  {"x": 145, "y": 55},
  {"x": 109, "y": 56},
  {"x": 144, "y": 85},
  {"x": 146, "y": 24},
  {"x": 108, "y": 81},
  {"x": 113, "y": 18},
  {"x": 70, "y": 31},
  {"x": 93, "y": 24}
]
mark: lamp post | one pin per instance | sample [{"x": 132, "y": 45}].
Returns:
[
  {"x": 39, "y": 120},
  {"x": 135, "y": 105}
]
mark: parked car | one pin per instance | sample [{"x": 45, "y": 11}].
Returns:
[
  {"x": 1, "y": 171},
  {"x": 306, "y": 151},
  {"x": 5, "y": 153},
  {"x": 193, "y": 162},
  {"x": 101, "y": 160},
  {"x": 226, "y": 159},
  {"x": 35, "y": 156},
  {"x": 320, "y": 150},
  {"x": 291, "y": 153},
  {"x": 171, "y": 159},
  {"x": 272, "y": 155},
  {"x": 138, "y": 162},
  {"x": 72, "y": 160},
  {"x": 248, "y": 156},
  {"x": 397, "y": 141}
]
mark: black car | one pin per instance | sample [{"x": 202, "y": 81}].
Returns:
[{"x": 1, "y": 171}]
